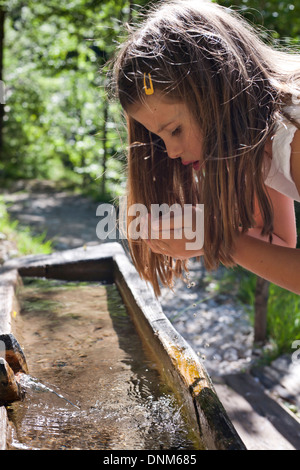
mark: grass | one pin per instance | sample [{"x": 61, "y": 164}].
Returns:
[
  {"x": 20, "y": 237},
  {"x": 283, "y": 320},
  {"x": 283, "y": 313}
]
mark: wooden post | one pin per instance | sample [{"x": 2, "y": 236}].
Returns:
[
  {"x": 261, "y": 305},
  {"x": 104, "y": 142}
]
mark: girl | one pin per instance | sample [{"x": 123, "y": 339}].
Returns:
[{"x": 213, "y": 116}]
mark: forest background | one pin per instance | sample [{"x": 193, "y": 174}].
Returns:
[{"x": 57, "y": 123}]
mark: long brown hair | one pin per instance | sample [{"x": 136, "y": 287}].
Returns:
[{"x": 235, "y": 86}]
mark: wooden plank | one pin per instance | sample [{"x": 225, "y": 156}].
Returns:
[
  {"x": 282, "y": 378},
  {"x": 3, "y": 427},
  {"x": 81, "y": 264},
  {"x": 88, "y": 253},
  {"x": 8, "y": 300},
  {"x": 256, "y": 431},
  {"x": 283, "y": 421},
  {"x": 9, "y": 281}
]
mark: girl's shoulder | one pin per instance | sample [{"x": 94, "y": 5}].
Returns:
[{"x": 295, "y": 159}]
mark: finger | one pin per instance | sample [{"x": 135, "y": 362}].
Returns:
[
  {"x": 166, "y": 222},
  {"x": 178, "y": 222}
]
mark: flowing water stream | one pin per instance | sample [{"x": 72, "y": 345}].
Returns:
[
  {"x": 31, "y": 384},
  {"x": 92, "y": 385}
]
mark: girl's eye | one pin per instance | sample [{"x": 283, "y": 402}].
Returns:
[{"x": 176, "y": 131}]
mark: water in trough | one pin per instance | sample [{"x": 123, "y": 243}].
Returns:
[{"x": 92, "y": 384}]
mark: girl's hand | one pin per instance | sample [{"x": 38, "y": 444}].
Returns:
[{"x": 179, "y": 234}]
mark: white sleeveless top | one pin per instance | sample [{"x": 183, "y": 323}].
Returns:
[{"x": 279, "y": 175}]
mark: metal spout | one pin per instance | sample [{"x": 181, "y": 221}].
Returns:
[
  {"x": 10, "y": 389},
  {"x": 12, "y": 361},
  {"x": 12, "y": 352}
]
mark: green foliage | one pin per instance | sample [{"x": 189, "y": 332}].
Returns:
[
  {"x": 278, "y": 19},
  {"x": 58, "y": 121},
  {"x": 283, "y": 321},
  {"x": 283, "y": 310}
]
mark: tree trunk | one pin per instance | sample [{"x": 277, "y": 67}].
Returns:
[
  {"x": 130, "y": 11},
  {"x": 2, "y": 88},
  {"x": 105, "y": 156}
]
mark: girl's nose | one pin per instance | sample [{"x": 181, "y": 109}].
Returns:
[{"x": 173, "y": 152}]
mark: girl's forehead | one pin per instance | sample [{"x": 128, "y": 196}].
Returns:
[{"x": 155, "y": 113}]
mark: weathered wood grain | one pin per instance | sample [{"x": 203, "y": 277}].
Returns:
[
  {"x": 3, "y": 428},
  {"x": 8, "y": 300},
  {"x": 282, "y": 420}
]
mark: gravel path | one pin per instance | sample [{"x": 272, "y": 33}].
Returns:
[{"x": 215, "y": 325}]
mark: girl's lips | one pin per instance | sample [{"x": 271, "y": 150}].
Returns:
[{"x": 196, "y": 164}]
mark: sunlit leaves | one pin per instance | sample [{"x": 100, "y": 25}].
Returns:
[
  {"x": 279, "y": 19},
  {"x": 57, "y": 100}
]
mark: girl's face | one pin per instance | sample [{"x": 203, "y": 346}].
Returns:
[{"x": 174, "y": 124}]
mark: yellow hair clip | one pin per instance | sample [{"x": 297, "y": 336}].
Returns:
[{"x": 150, "y": 90}]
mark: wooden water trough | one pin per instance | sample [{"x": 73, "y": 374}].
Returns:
[{"x": 179, "y": 364}]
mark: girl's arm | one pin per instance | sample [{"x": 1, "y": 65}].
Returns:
[{"x": 278, "y": 262}]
